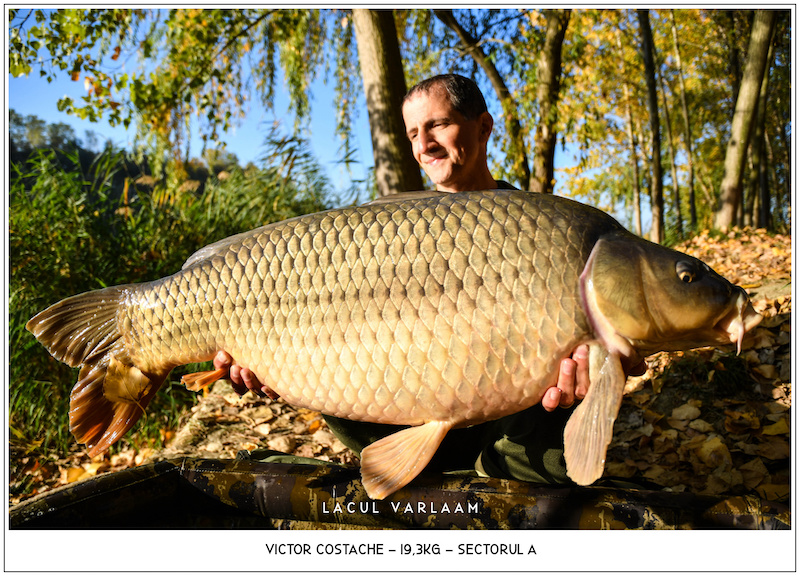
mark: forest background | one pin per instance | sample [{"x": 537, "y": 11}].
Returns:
[{"x": 677, "y": 121}]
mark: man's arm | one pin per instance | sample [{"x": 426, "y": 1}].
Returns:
[{"x": 573, "y": 379}]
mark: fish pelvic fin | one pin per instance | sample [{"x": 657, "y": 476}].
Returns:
[
  {"x": 111, "y": 393},
  {"x": 392, "y": 462},
  {"x": 590, "y": 428},
  {"x": 196, "y": 381}
]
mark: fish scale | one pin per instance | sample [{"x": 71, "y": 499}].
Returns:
[
  {"x": 427, "y": 297},
  {"x": 431, "y": 310}
]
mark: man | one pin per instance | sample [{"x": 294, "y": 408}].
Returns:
[{"x": 449, "y": 126}]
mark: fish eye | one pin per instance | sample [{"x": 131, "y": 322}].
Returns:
[{"x": 685, "y": 271}]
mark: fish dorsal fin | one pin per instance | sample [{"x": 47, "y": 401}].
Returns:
[
  {"x": 405, "y": 197},
  {"x": 392, "y": 462},
  {"x": 589, "y": 429}
]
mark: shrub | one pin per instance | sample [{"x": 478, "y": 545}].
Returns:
[{"x": 74, "y": 229}]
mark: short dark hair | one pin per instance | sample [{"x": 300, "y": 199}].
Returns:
[{"x": 463, "y": 93}]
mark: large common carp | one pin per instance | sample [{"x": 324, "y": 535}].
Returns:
[{"x": 430, "y": 310}]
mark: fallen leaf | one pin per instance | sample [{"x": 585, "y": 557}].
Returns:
[
  {"x": 654, "y": 472},
  {"x": 652, "y": 416},
  {"x": 780, "y": 427},
  {"x": 74, "y": 473},
  {"x": 714, "y": 453},
  {"x": 774, "y": 448},
  {"x": 767, "y": 371},
  {"x": 91, "y": 469},
  {"x": 776, "y": 407},
  {"x": 701, "y": 425},
  {"x": 722, "y": 480},
  {"x": 738, "y": 422},
  {"x": 665, "y": 442},
  {"x": 686, "y": 412},
  {"x": 619, "y": 469},
  {"x": 763, "y": 338},
  {"x": 753, "y": 473},
  {"x": 143, "y": 455},
  {"x": 285, "y": 444}
]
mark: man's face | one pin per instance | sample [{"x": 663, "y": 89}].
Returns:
[{"x": 450, "y": 148}]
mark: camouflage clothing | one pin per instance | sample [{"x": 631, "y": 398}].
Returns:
[
  {"x": 526, "y": 446},
  {"x": 194, "y": 492}
]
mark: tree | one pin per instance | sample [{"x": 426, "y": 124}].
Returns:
[
  {"x": 384, "y": 87},
  {"x": 198, "y": 68},
  {"x": 549, "y": 74},
  {"x": 760, "y": 185},
  {"x": 633, "y": 144},
  {"x": 676, "y": 197},
  {"x": 519, "y": 158},
  {"x": 687, "y": 131},
  {"x": 196, "y": 71},
  {"x": 743, "y": 118},
  {"x": 656, "y": 183}
]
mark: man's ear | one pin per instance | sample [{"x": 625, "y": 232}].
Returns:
[{"x": 486, "y": 124}]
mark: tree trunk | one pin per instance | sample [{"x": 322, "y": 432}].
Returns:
[
  {"x": 676, "y": 195},
  {"x": 759, "y": 151},
  {"x": 687, "y": 132},
  {"x": 632, "y": 144},
  {"x": 520, "y": 170},
  {"x": 749, "y": 214},
  {"x": 637, "y": 192},
  {"x": 549, "y": 82},
  {"x": 743, "y": 119},
  {"x": 778, "y": 221},
  {"x": 656, "y": 183},
  {"x": 385, "y": 86},
  {"x": 734, "y": 68}
]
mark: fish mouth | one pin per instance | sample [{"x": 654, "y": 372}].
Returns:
[{"x": 740, "y": 319}]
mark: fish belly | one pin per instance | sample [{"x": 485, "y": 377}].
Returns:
[{"x": 400, "y": 313}]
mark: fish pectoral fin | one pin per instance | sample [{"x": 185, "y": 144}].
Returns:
[
  {"x": 392, "y": 462},
  {"x": 196, "y": 381},
  {"x": 588, "y": 431}
]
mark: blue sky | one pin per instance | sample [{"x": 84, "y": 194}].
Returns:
[{"x": 33, "y": 95}]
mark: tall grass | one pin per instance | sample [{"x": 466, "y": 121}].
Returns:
[{"x": 74, "y": 228}]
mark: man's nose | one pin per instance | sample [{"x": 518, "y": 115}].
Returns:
[{"x": 424, "y": 141}]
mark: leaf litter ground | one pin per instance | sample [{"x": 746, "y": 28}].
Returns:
[{"x": 704, "y": 421}]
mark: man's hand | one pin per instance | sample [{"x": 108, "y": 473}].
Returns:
[
  {"x": 242, "y": 379},
  {"x": 573, "y": 379}
]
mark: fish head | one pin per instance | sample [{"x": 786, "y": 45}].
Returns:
[{"x": 647, "y": 297}]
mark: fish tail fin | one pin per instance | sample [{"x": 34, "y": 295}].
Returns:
[
  {"x": 590, "y": 427},
  {"x": 111, "y": 393}
]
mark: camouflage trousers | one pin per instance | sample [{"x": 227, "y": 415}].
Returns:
[{"x": 527, "y": 446}]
